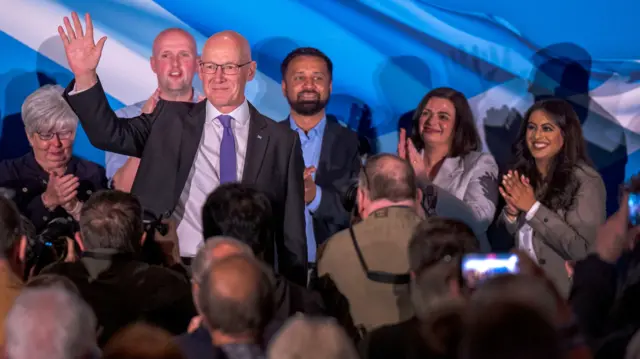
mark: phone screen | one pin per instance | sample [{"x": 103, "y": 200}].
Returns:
[
  {"x": 478, "y": 267},
  {"x": 634, "y": 208}
]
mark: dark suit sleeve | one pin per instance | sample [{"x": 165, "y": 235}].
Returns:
[
  {"x": 98, "y": 178},
  {"x": 292, "y": 252},
  {"x": 103, "y": 127},
  {"x": 331, "y": 208},
  {"x": 592, "y": 294}
]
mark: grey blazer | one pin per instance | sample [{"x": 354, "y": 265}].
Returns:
[
  {"x": 467, "y": 190},
  {"x": 565, "y": 235}
]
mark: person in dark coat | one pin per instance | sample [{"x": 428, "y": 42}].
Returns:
[{"x": 50, "y": 182}]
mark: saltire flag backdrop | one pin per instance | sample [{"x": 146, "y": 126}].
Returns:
[{"x": 387, "y": 54}]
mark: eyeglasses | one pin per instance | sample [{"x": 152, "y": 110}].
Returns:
[
  {"x": 227, "y": 69},
  {"x": 62, "y": 135}
]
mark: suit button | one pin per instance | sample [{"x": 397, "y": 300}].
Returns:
[
  {"x": 542, "y": 261},
  {"x": 44, "y": 218},
  {"x": 89, "y": 192},
  {"x": 545, "y": 220},
  {"x": 25, "y": 190}
]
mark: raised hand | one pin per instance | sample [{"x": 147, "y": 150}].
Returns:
[
  {"x": 83, "y": 54},
  {"x": 402, "y": 144},
  {"x": 151, "y": 103}
]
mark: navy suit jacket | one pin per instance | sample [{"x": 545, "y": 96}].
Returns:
[{"x": 338, "y": 168}]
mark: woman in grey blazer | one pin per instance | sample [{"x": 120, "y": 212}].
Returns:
[
  {"x": 555, "y": 200},
  {"x": 456, "y": 179}
]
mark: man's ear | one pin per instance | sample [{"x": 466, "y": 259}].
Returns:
[
  {"x": 22, "y": 253},
  {"x": 78, "y": 239},
  {"x": 143, "y": 238},
  {"x": 152, "y": 62}
]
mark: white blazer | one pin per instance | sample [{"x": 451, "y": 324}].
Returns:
[{"x": 467, "y": 190}]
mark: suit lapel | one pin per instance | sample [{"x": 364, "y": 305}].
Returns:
[
  {"x": 192, "y": 128},
  {"x": 328, "y": 141},
  {"x": 256, "y": 146}
]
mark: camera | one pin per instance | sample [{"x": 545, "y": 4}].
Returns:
[
  {"x": 50, "y": 246},
  {"x": 350, "y": 197},
  {"x": 151, "y": 252}
]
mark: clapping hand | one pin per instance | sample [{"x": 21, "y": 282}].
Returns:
[
  {"x": 83, "y": 54},
  {"x": 309, "y": 185},
  {"x": 517, "y": 192},
  {"x": 61, "y": 190},
  {"x": 407, "y": 150}
]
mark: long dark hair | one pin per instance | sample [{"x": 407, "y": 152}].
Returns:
[
  {"x": 465, "y": 133},
  {"x": 558, "y": 189}
]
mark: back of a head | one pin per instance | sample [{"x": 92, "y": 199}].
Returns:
[
  {"x": 214, "y": 249},
  {"x": 312, "y": 338},
  {"x": 53, "y": 280},
  {"x": 387, "y": 176},
  {"x": 50, "y": 323},
  {"x": 524, "y": 289},
  {"x": 236, "y": 296},
  {"x": 435, "y": 252},
  {"x": 112, "y": 219},
  {"x": 239, "y": 211},
  {"x": 507, "y": 330},
  {"x": 142, "y": 341},
  {"x": 435, "y": 238},
  {"x": 10, "y": 226}
]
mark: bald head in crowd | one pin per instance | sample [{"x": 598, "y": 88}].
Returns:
[
  {"x": 174, "y": 60},
  {"x": 386, "y": 180},
  {"x": 236, "y": 298},
  {"x": 213, "y": 250},
  {"x": 226, "y": 68}
]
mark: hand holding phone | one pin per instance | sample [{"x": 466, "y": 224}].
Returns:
[{"x": 634, "y": 208}]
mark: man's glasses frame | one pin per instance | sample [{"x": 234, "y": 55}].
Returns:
[{"x": 227, "y": 69}]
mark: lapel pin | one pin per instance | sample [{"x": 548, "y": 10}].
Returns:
[{"x": 259, "y": 137}]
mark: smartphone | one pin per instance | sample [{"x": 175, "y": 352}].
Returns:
[
  {"x": 478, "y": 267},
  {"x": 634, "y": 208}
]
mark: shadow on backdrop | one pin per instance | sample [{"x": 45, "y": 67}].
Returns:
[
  {"x": 414, "y": 75},
  {"x": 17, "y": 85},
  {"x": 356, "y": 115},
  {"x": 270, "y": 53},
  {"x": 568, "y": 66}
]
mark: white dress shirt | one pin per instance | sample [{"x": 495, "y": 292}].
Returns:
[
  {"x": 525, "y": 234},
  {"x": 204, "y": 176}
]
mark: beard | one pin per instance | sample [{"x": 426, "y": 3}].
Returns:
[{"x": 307, "y": 107}]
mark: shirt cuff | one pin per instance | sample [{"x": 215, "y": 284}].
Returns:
[
  {"x": 74, "y": 92},
  {"x": 313, "y": 206},
  {"x": 532, "y": 211}
]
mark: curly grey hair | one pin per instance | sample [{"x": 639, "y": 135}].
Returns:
[{"x": 45, "y": 110}]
